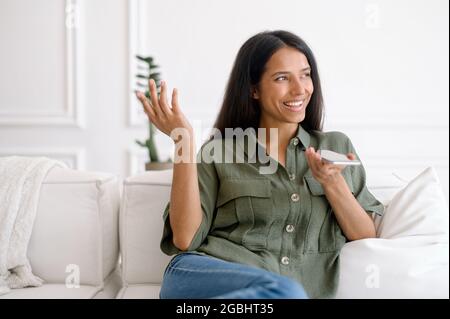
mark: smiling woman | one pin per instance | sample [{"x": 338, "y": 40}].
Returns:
[
  {"x": 284, "y": 92},
  {"x": 241, "y": 233},
  {"x": 283, "y": 70},
  {"x": 305, "y": 90}
]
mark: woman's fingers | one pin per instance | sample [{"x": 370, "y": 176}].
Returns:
[
  {"x": 165, "y": 118},
  {"x": 175, "y": 106},
  {"x": 145, "y": 103},
  {"x": 154, "y": 96},
  {"x": 319, "y": 168},
  {"x": 323, "y": 171},
  {"x": 318, "y": 164},
  {"x": 163, "y": 99}
]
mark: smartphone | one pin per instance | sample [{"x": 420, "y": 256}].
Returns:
[{"x": 336, "y": 158}]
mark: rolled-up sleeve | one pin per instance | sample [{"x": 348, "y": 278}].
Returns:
[
  {"x": 208, "y": 187},
  {"x": 362, "y": 194}
]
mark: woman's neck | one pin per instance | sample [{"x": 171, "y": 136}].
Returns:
[
  {"x": 276, "y": 145},
  {"x": 286, "y": 131}
]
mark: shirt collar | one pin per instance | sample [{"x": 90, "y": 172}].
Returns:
[{"x": 302, "y": 135}]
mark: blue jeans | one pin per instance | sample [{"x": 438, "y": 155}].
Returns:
[{"x": 194, "y": 276}]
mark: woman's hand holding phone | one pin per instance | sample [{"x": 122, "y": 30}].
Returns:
[{"x": 326, "y": 172}]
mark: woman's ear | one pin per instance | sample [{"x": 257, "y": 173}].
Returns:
[{"x": 254, "y": 93}]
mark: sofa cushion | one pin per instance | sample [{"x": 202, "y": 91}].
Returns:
[
  {"x": 76, "y": 227},
  {"x": 144, "y": 199},
  {"x": 111, "y": 286},
  {"x": 53, "y": 291},
  {"x": 139, "y": 292}
]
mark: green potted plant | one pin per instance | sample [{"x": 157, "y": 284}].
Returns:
[{"x": 151, "y": 73}]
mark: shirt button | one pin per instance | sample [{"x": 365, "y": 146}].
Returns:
[
  {"x": 295, "y": 141},
  {"x": 295, "y": 197},
  {"x": 291, "y": 177},
  {"x": 285, "y": 260},
  {"x": 289, "y": 228}
]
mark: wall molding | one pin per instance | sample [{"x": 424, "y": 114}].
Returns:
[
  {"x": 72, "y": 114},
  {"x": 136, "y": 114},
  {"x": 75, "y": 158}
]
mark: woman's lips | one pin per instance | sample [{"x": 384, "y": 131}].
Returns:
[{"x": 294, "y": 106}]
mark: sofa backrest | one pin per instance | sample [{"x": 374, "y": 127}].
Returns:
[
  {"x": 385, "y": 185},
  {"x": 76, "y": 227},
  {"x": 143, "y": 201}
]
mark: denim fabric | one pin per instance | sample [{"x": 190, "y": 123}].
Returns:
[{"x": 195, "y": 276}]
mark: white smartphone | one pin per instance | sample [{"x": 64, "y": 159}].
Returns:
[{"x": 336, "y": 158}]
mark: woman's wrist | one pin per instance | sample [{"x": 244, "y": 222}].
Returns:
[
  {"x": 335, "y": 183},
  {"x": 185, "y": 150},
  {"x": 181, "y": 133}
]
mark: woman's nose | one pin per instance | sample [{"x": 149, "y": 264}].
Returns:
[{"x": 297, "y": 87}]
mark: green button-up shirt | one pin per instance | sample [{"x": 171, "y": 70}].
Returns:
[{"x": 281, "y": 222}]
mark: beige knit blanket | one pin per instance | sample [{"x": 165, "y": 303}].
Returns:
[{"x": 20, "y": 184}]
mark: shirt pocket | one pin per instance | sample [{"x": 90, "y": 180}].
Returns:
[
  {"x": 323, "y": 233},
  {"x": 244, "y": 211}
]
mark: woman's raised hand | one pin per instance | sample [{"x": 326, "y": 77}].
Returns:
[{"x": 165, "y": 117}]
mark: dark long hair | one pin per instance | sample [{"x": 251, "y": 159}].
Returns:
[{"x": 239, "y": 109}]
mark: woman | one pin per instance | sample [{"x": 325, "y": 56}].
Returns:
[{"x": 239, "y": 233}]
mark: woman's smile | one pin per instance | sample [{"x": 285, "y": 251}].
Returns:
[
  {"x": 294, "y": 106},
  {"x": 285, "y": 88}
]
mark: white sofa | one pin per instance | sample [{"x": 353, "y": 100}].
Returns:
[
  {"x": 74, "y": 246},
  {"x": 82, "y": 217},
  {"x": 144, "y": 199},
  {"x": 398, "y": 262}
]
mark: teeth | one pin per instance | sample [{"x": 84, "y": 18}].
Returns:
[{"x": 293, "y": 104}]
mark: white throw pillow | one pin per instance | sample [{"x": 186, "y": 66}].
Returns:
[
  {"x": 411, "y": 257},
  {"x": 408, "y": 267},
  {"x": 420, "y": 209}
]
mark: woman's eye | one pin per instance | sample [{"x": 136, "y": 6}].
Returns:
[{"x": 282, "y": 78}]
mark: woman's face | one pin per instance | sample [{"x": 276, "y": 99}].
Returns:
[{"x": 285, "y": 88}]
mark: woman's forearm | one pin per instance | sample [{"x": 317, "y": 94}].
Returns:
[
  {"x": 352, "y": 218},
  {"x": 185, "y": 213},
  {"x": 185, "y": 209}
]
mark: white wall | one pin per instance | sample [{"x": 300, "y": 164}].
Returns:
[
  {"x": 383, "y": 64},
  {"x": 93, "y": 135}
]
